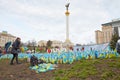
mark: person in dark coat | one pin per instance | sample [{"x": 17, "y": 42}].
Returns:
[
  {"x": 15, "y": 50},
  {"x": 0, "y": 51},
  {"x": 118, "y": 46},
  {"x": 7, "y": 45}
]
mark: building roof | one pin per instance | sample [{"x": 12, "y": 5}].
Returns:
[
  {"x": 6, "y": 34},
  {"x": 112, "y": 22}
]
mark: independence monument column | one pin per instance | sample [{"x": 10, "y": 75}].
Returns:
[
  {"x": 67, "y": 23},
  {"x": 67, "y": 42}
]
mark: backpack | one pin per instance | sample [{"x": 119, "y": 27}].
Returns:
[{"x": 33, "y": 61}]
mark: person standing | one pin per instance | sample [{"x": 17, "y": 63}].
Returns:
[
  {"x": 118, "y": 46},
  {"x": 0, "y": 51},
  {"x": 49, "y": 50},
  {"x": 15, "y": 50},
  {"x": 7, "y": 45},
  {"x": 82, "y": 49}
]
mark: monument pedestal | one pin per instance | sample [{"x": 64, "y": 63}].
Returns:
[{"x": 68, "y": 43}]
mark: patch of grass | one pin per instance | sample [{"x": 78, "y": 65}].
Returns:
[
  {"x": 96, "y": 69},
  {"x": 118, "y": 65},
  {"x": 71, "y": 74},
  {"x": 116, "y": 78},
  {"x": 108, "y": 74},
  {"x": 83, "y": 75},
  {"x": 82, "y": 69},
  {"x": 86, "y": 72},
  {"x": 4, "y": 59},
  {"x": 61, "y": 71},
  {"x": 64, "y": 78},
  {"x": 114, "y": 64},
  {"x": 96, "y": 61},
  {"x": 57, "y": 78},
  {"x": 61, "y": 78}
]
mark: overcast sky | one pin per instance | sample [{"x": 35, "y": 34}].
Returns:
[{"x": 46, "y": 20}]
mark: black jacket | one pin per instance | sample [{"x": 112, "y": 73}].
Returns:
[
  {"x": 15, "y": 47},
  {"x": 0, "y": 51}
]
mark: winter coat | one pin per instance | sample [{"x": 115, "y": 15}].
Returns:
[{"x": 15, "y": 47}]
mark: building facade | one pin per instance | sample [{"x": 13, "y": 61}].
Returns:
[
  {"x": 5, "y": 37},
  {"x": 107, "y": 33},
  {"x": 99, "y": 36},
  {"x": 55, "y": 43},
  {"x": 115, "y": 24},
  {"x": 108, "y": 29},
  {"x": 42, "y": 43}
]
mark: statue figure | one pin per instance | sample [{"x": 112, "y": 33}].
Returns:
[{"x": 67, "y": 5}]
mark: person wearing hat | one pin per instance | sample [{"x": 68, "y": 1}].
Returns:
[{"x": 15, "y": 50}]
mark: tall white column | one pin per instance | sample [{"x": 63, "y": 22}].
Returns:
[
  {"x": 67, "y": 13},
  {"x": 67, "y": 23},
  {"x": 67, "y": 28}
]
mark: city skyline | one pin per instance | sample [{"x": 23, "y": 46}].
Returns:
[{"x": 45, "y": 19}]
